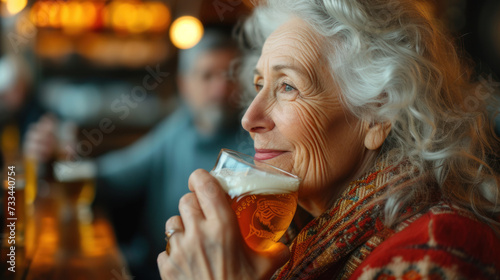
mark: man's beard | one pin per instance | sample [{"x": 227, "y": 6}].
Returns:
[{"x": 211, "y": 118}]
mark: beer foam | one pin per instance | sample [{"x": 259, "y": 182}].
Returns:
[
  {"x": 69, "y": 171},
  {"x": 249, "y": 182}
]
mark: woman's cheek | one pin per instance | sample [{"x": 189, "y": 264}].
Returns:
[{"x": 306, "y": 124}]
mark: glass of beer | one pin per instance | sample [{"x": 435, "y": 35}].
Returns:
[
  {"x": 263, "y": 197},
  {"x": 76, "y": 182}
]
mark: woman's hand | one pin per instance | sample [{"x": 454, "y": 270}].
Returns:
[{"x": 207, "y": 243}]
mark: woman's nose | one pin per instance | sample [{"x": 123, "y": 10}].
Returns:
[{"x": 257, "y": 118}]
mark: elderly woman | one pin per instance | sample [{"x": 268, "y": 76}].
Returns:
[{"x": 367, "y": 101}]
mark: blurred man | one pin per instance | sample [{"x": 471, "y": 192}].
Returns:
[{"x": 157, "y": 167}]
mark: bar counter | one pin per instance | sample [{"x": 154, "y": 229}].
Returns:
[{"x": 62, "y": 241}]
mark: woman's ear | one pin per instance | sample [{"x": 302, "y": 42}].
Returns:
[{"x": 376, "y": 134}]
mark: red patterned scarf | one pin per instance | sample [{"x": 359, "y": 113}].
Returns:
[{"x": 338, "y": 240}]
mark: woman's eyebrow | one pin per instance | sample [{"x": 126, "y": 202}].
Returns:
[{"x": 279, "y": 67}]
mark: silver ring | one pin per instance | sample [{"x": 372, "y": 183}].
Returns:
[{"x": 168, "y": 234}]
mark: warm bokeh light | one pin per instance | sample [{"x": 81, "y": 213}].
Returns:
[
  {"x": 140, "y": 20},
  {"x": 53, "y": 46},
  {"x": 38, "y": 14},
  {"x": 120, "y": 15},
  {"x": 186, "y": 32},
  {"x": 53, "y": 12},
  {"x": 9, "y": 139},
  {"x": 77, "y": 16},
  {"x": 15, "y": 6},
  {"x": 137, "y": 17},
  {"x": 160, "y": 16}
]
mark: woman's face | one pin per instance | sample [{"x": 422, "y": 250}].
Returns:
[{"x": 297, "y": 120}]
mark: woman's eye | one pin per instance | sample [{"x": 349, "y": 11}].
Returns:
[
  {"x": 258, "y": 87},
  {"x": 287, "y": 88}
]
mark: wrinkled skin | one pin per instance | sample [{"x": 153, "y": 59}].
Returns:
[{"x": 297, "y": 111}]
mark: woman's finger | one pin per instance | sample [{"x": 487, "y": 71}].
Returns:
[
  {"x": 211, "y": 196},
  {"x": 173, "y": 226},
  {"x": 191, "y": 212},
  {"x": 174, "y": 223},
  {"x": 162, "y": 262}
]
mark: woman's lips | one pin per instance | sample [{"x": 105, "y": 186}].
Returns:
[{"x": 263, "y": 154}]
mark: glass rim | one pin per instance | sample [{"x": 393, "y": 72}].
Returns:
[{"x": 242, "y": 155}]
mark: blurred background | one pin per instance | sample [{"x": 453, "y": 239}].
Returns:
[{"x": 113, "y": 63}]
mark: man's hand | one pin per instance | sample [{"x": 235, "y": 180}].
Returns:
[{"x": 40, "y": 142}]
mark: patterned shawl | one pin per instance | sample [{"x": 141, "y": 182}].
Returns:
[{"x": 337, "y": 241}]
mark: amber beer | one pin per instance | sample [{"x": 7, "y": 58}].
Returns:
[
  {"x": 76, "y": 183},
  {"x": 264, "y": 218},
  {"x": 264, "y": 203}
]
